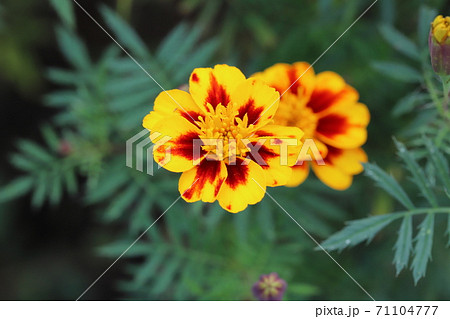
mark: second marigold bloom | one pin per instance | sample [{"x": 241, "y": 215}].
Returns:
[
  {"x": 439, "y": 44},
  {"x": 326, "y": 108},
  {"x": 222, "y": 139}
]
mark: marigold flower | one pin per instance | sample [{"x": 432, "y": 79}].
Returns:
[
  {"x": 439, "y": 45},
  {"x": 326, "y": 108},
  {"x": 222, "y": 138},
  {"x": 269, "y": 288}
]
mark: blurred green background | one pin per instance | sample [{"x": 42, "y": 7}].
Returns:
[{"x": 63, "y": 82}]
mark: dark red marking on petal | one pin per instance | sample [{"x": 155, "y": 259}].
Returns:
[
  {"x": 207, "y": 172},
  {"x": 184, "y": 146},
  {"x": 321, "y": 100},
  {"x": 277, "y": 141},
  {"x": 264, "y": 152},
  {"x": 332, "y": 153},
  {"x": 332, "y": 125},
  {"x": 191, "y": 116},
  {"x": 195, "y": 77},
  {"x": 293, "y": 80},
  {"x": 216, "y": 93},
  {"x": 229, "y": 207},
  {"x": 237, "y": 174},
  {"x": 253, "y": 112}
]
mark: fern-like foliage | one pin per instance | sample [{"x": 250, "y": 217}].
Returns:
[{"x": 437, "y": 201}]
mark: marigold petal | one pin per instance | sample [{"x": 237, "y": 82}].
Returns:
[
  {"x": 203, "y": 182},
  {"x": 340, "y": 166},
  {"x": 299, "y": 174},
  {"x": 175, "y": 144},
  {"x": 331, "y": 89},
  {"x": 344, "y": 127},
  {"x": 256, "y": 101},
  {"x": 245, "y": 185},
  {"x": 172, "y": 102},
  {"x": 214, "y": 86},
  {"x": 297, "y": 78}
]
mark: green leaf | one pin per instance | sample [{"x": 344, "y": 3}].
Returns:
[
  {"x": 418, "y": 175},
  {"x": 34, "y": 151},
  {"x": 50, "y": 137},
  {"x": 126, "y": 36},
  {"x": 40, "y": 191},
  {"x": 149, "y": 269},
  {"x": 23, "y": 163},
  {"x": 409, "y": 102},
  {"x": 388, "y": 183},
  {"x": 400, "y": 42},
  {"x": 63, "y": 77},
  {"x": 70, "y": 181},
  {"x": 64, "y": 8},
  {"x": 403, "y": 246},
  {"x": 166, "y": 276},
  {"x": 55, "y": 193},
  {"x": 440, "y": 164},
  {"x": 397, "y": 71},
  {"x": 422, "y": 250},
  {"x": 16, "y": 188},
  {"x": 73, "y": 49},
  {"x": 118, "y": 205},
  {"x": 357, "y": 231}
]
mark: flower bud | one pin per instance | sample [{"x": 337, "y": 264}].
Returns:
[
  {"x": 439, "y": 44},
  {"x": 269, "y": 288}
]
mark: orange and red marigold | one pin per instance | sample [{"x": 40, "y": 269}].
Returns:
[
  {"x": 222, "y": 111},
  {"x": 326, "y": 108}
]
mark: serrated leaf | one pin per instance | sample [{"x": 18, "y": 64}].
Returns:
[
  {"x": 172, "y": 42},
  {"x": 16, "y": 188},
  {"x": 23, "y": 163},
  {"x": 388, "y": 183},
  {"x": 50, "y": 137},
  {"x": 109, "y": 183},
  {"x": 418, "y": 175},
  {"x": 137, "y": 99},
  {"x": 61, "y": 98},
  {"x": 126, "y": 36},
  {"x": 121, "y": 85},
  {"x": 73, "y": 49},
  {"x": 403, "y": 246},
  {"x": 40, "y": 191},
  {"x": 358, "y": 231},
  {"x": 440, "y": 163},
  {"x": 409, "y": 102},
  {"x": 116, "y": 249},
  {"x": 422, "y": 249},
  {"x": 400, "y": 42},
  {"x": 55, "y": 192},
  {"x": 63, "y": 76},
  {"x": 398, "y": 71},
  {"x": 148, "y": 270}
]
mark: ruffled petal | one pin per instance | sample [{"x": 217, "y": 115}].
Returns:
[
  {"x": 245, "y": 185},
  {"x": 177, "y": 145},
  {"x": 169, "y": 102},
  {"x": 275, "y": 149},
  {"x": 214, "y": 86},
  {"x": 298, "y": 78},
  {"x": 299, "y": 174},
  {"x": 340, "y": 166},
  {"x": 344, "y": 126},
  {"x": 203, "y": 182},
  {"x": 331, "y": 89},
  {"x": 256, "y": 101}
]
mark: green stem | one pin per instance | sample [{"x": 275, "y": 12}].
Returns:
[
  {"x": 433, "y": 93},
  {"x": 417, "y": 211}
]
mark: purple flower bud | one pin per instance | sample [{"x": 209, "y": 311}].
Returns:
[
  {"x": 269, "y": 287},
  {"x": 439, "y": 44}
]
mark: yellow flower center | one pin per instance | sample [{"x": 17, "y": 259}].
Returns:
[
  {"x": 223, "y": 132},
  {"x": 441, "y": 28},
  {"x": 293, "y": 112}
]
